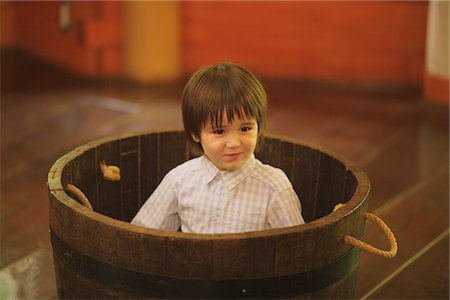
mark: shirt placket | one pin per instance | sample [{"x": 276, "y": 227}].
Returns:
[{"x": 220, "y": 193}]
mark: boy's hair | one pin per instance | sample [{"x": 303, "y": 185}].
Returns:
[{"x": 223, "y": 88}]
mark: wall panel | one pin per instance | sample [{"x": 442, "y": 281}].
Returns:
[{"x": 350, "y": 41}]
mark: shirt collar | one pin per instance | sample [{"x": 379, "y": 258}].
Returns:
[
  {"x": 230, "y": 178},
  {"x": 210, "y": 170}
]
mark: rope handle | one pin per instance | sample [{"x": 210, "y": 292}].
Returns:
[
  {"x": 80, "y": 195},
  {"x": 110, "y": 173},
  {"x": 369, "y": 248}
]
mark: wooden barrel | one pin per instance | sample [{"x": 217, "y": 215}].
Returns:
[{"x": 98, "y": 254}]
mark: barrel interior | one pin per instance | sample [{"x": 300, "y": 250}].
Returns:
[{"x": 320, "y": 180}]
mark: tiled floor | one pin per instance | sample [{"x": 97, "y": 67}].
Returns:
[{"x": 401, "y": 141}]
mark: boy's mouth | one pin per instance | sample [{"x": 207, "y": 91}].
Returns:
[{"x": 233, "y": 155}]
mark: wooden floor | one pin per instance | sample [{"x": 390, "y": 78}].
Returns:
[{"x": 401, "y": 141}]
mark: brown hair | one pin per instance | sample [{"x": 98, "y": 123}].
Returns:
[{"x": 223, "y": 88}]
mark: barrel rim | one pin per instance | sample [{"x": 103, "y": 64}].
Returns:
[{"x": 56, "y": 189}]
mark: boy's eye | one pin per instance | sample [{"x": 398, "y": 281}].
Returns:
[
  {"x": 245, "y": 129},
  {"x": 218, "y": 131}
]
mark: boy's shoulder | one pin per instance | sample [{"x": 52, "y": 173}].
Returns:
[
  {"x": 271, "y": 175},
  {"x": 188, "y": 166}
]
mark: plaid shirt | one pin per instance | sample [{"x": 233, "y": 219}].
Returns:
[{"x": 202, "y": 199}]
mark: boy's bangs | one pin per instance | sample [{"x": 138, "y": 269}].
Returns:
[
  {"x": 231, "y": 104},
  {"x": 216, "y": 117}
]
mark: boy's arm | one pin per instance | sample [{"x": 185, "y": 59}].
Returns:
[
  {"x": 160, "y": 209},
  {"x": 285, "y": 209}
]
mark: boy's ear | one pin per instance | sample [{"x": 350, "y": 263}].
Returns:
[{"x": 195, "y": 138}]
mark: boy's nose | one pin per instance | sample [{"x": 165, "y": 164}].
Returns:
[{"x": 233, "y": 141}]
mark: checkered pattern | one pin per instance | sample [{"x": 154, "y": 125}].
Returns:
[{"x": 202, "y": 199}]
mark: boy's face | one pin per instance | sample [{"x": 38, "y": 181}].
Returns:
[{"x": 230, "y": 145}]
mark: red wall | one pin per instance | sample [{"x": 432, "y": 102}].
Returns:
[
  {"x": 92, "y": 46},
  {"x": 348, "y": 41},
  {"x": 7, "y": 24}
]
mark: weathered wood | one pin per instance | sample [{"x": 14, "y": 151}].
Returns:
[
  {"x": 305, "y": 179},
  {"x": 130, "y": 189},
  {"x": 104, "y": 250},
  {"x": 287, "y": 153},
  {"x": 172, "y": 151},
  {"x": 84, "y": 173},
  {"x": 108, "y": 192},
  {"x": 331, "y": 185},
  {"x": 148, "y": 166},
  {"x": 269, "y": 152}
]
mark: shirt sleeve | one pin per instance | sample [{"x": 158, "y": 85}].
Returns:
[
  {"x": 160, "y": 209},
  {"x": 285, "y": 209}
]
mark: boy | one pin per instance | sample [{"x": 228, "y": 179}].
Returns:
[{"x": 225, "y": 190}]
